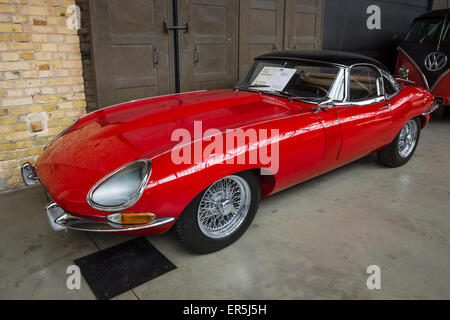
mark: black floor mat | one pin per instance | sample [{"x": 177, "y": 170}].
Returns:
[{"x": 123, "y": 267}]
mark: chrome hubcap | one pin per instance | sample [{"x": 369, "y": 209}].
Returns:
[
  {"x": 408, "y": 138},
  {"x": 224, "y": 207}
]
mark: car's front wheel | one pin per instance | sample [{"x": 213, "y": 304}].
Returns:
[
  {"x": 403, "y": 147},
  {"x": 220, "y": 214}
]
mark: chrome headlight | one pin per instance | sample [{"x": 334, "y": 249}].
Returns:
[
  {"x": 122, "y": 188},
  {"x": 403, "y": 72}
]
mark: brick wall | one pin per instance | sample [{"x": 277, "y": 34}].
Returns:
[{"x": 41, "y": 81}]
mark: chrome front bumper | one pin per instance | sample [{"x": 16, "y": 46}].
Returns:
[
  {"x": 29, "y": 175},
  {"x": 60, "y": 220}
]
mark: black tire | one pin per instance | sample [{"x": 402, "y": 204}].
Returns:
[
  {"x": 390, "y": 155},
  {"x": 190, "y": 234}
]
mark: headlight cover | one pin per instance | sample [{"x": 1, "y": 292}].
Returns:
[{"x": 122, "y": 188}]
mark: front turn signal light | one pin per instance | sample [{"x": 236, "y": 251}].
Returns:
[{"x": 131, "y": 218}]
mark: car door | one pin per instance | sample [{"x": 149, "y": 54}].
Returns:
[{"x": 365, "y": 118}]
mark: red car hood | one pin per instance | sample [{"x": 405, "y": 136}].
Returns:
[{"x": 107, "y": 139}]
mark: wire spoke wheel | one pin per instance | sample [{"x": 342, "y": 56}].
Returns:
[
  {"x": 402, "y": 148},
  {"x": 224, "y": 206},
  {"x": 408, "y": 138}
]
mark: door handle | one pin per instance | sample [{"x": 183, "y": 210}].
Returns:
[
  {"x": 196, "y": 55},
  {"x": 386, "y": 106},
  {"x": 167, "y": 28},
  {"x": 155, "y": 54}
]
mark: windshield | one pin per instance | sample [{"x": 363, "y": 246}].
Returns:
[
  {"x": 425, "y": 30},
  {"x": 296, "y": 79}
]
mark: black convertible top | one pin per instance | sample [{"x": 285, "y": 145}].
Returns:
[{"x": 327, "y": 56}]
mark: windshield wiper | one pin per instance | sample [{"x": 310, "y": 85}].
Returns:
[
  {"x": 289, "y": 95},
  {"x": 251, "y": 86},
  {"x": 285, "y": 93},
  {"x": 292, "y": 96},
  {"x": 257, "y": 86}
]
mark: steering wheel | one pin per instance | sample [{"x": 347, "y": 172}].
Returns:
[{"x": 325, "y": 91}]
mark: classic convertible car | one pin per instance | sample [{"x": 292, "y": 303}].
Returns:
[{"x": 145, "y": 166}]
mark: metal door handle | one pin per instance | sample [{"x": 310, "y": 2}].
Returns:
[
  {"x": 386, "y": 106},
  {"x": 184, "y": 27},
  {"x": 155, "y": 54},
  {"x": 196, "y": 55}
]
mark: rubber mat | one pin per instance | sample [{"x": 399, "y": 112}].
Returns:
[{"x": 123, "y": 267}]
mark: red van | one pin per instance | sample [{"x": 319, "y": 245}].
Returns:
[{"x": 424, "y": 55}]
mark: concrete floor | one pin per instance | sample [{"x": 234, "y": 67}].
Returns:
[{"x": 313, "y": 241}]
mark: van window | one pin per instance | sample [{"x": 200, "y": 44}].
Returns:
[
  {"x": 446, "y": 36},
  {"x": 425, "y": 30}
]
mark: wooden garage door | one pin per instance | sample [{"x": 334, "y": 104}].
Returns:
[
  {"x": 134, "y": 55},
  {"x": 261, "y": 24},
  {"x": 131, "y": 51},
  {"x": 303, "y": 24},
  {"x": 208, "y": 50}
]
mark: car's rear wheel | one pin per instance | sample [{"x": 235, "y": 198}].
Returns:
[
  {"x": 220, "y": 214},
  {"x": 403, "y": 147}
]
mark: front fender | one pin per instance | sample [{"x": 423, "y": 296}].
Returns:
[
  {"x": 292, "y": 153},
  {"x": 412, "y": 103},
  {"x": 172, "y": 186}
]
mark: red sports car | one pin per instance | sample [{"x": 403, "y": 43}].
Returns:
[{"x": 201, "y": 161}]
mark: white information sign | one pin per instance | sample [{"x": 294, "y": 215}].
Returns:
[
  {"x": 281, "y": 79},
  {"x": 265, "y": 77},
  {"x": 274, "y": 78}
]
